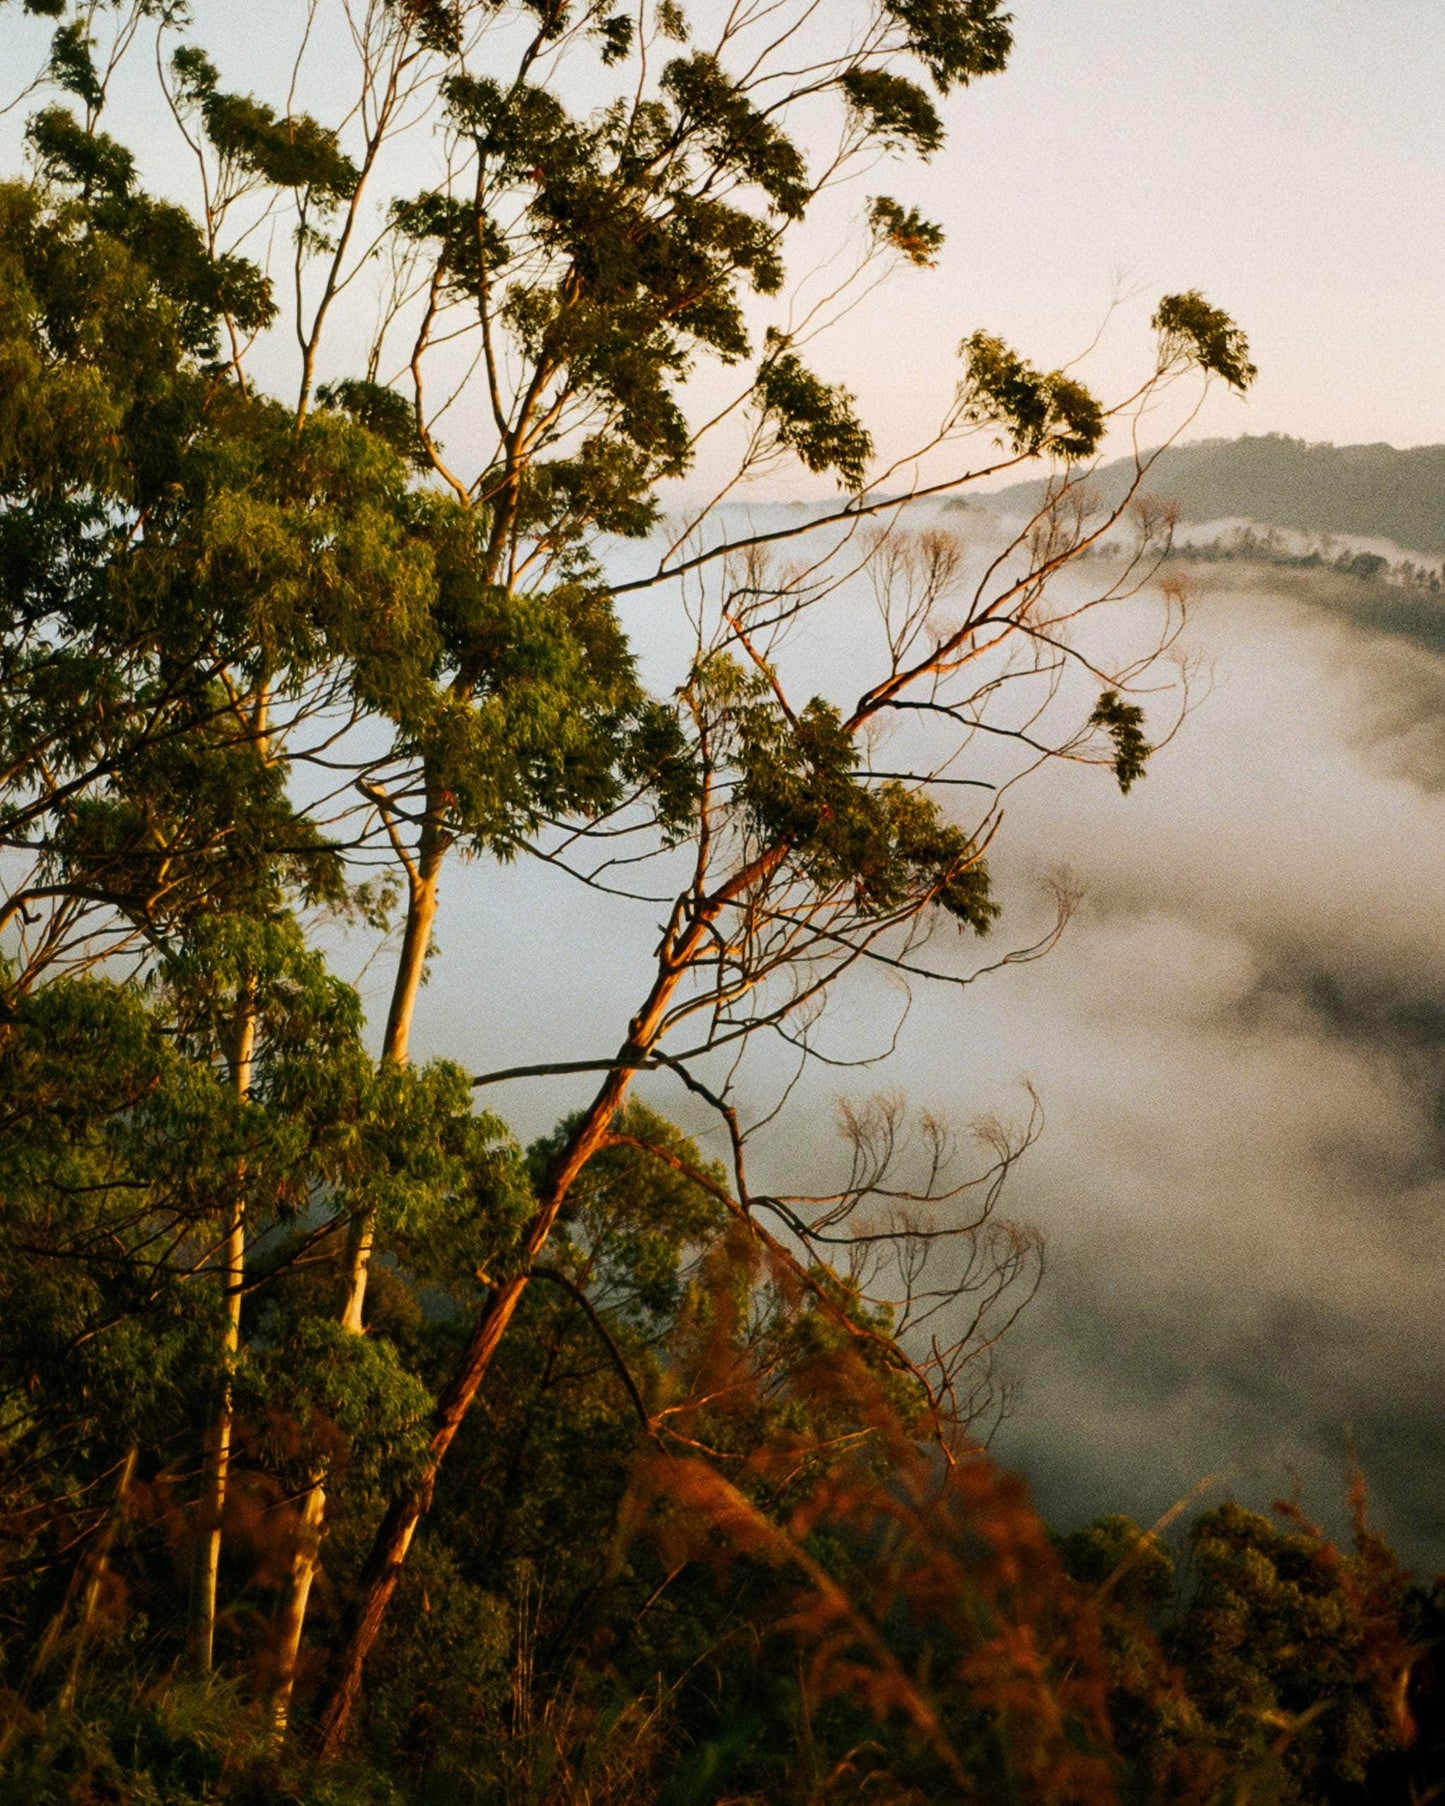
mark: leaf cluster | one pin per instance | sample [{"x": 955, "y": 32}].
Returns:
[
  {"x": 1043, "y": 413},
  {"x": 252, "y": 140},
  {"x": 1188, "y": 325},
  {"x": 812, "y": 418},
  {"x": 899, "y": 113},
  {"x": 886, "y": 844},
  {"x": 1123, "y": 722},
  {"x": 905, "y": 230},
  {"x": 956, "y": 40}
]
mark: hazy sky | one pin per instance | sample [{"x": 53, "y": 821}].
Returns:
[{"x": 1283, "y": 155}]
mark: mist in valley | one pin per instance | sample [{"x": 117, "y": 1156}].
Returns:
[{"x": 1235, "y": 1046}]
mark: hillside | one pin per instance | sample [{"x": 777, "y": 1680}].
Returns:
[{"x": 1366, "y": 489}]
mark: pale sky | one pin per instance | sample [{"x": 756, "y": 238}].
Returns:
[{"x": 1285, "y": 156}]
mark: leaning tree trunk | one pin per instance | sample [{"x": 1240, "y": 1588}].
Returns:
[
  {"x": 687, "y": 935},
  {"x": 393, "y": 1538},
  {"x": 291, "y": 1620}
]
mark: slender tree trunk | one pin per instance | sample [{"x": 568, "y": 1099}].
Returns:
[
  {"x": 686, "y": 934},
  {"x": 305, "y": 1563},
  {"x": 98, "y": 1562},
  {"x": 218, "y": 1443},
  {"x": 393, "y": 1538},
  {"x": 423, "y": 883}
]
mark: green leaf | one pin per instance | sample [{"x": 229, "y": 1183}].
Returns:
[
  {"x": 381, "y": 411},
  {"x": 617, "y": 34},
  {"x": 814, "y": 419},
  {"x": 72, "y": 66},
  {"x": 437, "y": 23},
  {"x": 68, "y": 154},
  {"x": 1043, "y": 412},
  {"x": 894, "y": 110},
  {"x": 1188, "y": 326},
  {"x": 195, "y": 75},
  {"x": 956, "y": 40},
  {"x": 713, "y": 107},
  {"x": 905, "y": 230},
  {"x": 293, "y": 152},
  {"x": 1124, "y": 724},
  {"x": 672, "y": 21}
]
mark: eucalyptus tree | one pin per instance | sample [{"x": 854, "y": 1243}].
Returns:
[
  {"x": 806, "y": 860},
  {"x": 270, "y": 648},
  {"x": 195, "y": 575}
]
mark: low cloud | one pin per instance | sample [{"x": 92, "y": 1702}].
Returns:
[{"x": 1239, "y": 1046}]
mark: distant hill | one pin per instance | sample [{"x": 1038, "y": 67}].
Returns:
[{"x": 1372, "y": 490}]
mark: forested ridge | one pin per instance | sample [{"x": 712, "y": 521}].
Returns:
[
  {"x": 354, "y": 1448},
  {"x": 1373, "y": 491}
]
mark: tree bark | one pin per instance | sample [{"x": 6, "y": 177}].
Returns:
[
  {"x": 423, "y": 883},
  {"x": 291, "y": 1622},
  {"x": 393, "y": 1538},
  {"x": 218, "y": 1443}
]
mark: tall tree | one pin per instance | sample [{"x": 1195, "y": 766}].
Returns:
[{"x": 262, "y": 647}]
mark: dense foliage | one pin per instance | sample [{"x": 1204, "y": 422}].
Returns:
[{"x": 783, "y": 1598}]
